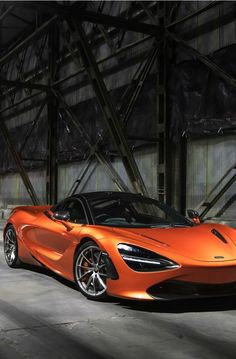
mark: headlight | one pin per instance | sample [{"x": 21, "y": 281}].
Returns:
[{"x": 143, "y": 260}]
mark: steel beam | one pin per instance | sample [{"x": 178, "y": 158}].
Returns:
[
  {"x": 82, "y": 69},
  {"x": 109, "y": 113},
  {"x": 93, "y": 149},
  {"x": 52, "y": 107},
  {"x": 7, "y": 108},
  {"x": 211, "y": 25},
  {"x": 6, "y": 12},
  {"x": 59, "y": 61},
  {"x": 17, "y": 47},
  {"x": 23, "y": 85},
  {"x": 139, "y": 81},
  {"x": 218, "y": 196},
  {"x": 103, "y": 30},
  {"x": 33, "y": 125},
  {"x": 52, "y": 162},
  {"x": 122, "y": 32},
  {"x": 210, "y": 64},
  {"x": 93, "y": 17},
  {"x": 182, "y": 174},
  {"x": 161, "y": 112},
  {"x": 20, "y": 18},
  {"x": 25, "y": 178},
  {"x": 119, "y": 22},
  {"x": 80, "y": 177},
  {"x": 130, "y": 98},
  {"x": 104, "y": 59},
  {"x": 148, "y": 11},
  {"x": 194, "y": 14}
]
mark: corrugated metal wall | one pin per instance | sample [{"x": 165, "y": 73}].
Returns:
[
  {"x": 98, "y": 179},
  {"x": 208, "y": 158},
  {"x": 13, "y": 190},
  {"x": 205, "y": 32},
  {"x": 207, "y": 161}
]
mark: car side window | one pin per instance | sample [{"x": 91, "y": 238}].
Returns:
[{"x": 76, "y": 211}]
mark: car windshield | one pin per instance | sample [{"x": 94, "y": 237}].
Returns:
[{"x": 135, "y": 212}]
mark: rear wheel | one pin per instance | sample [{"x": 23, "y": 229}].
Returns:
[
  {"x": 90, "y": 271},
  {"x": 11, "y": 247}
]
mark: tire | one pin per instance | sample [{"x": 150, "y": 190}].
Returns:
[
  {"x": 90, "y": 271},
  {"x": 11, "y": 248}
]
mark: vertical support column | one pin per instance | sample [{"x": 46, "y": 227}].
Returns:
[
  {"x": 165, "y": 148},
  {"x": 161, "y": 111},
  {"x": 182, "y": 174},
  {"x": 52, "y": 160}
]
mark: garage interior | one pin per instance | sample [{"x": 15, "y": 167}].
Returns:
[{"x": 134, "y": 96}]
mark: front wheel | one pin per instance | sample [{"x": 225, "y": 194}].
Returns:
[
  {"x": 90, "y": 271},
  {"x": 11, "y": 247}
]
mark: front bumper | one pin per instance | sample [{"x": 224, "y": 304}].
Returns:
[
  {"x": 174, "y": 289},
  {"x": 184, "y": 282}
]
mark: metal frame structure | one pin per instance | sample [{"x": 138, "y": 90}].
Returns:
[
  {"x": 156, "y": 21},
  {"x": 52, "y": 109}
]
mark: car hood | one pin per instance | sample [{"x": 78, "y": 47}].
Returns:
[{"x": 204, "y": 242}]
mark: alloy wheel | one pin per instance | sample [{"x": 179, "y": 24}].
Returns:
[
  {"x": 10, "y": 247},
  {"x": 90, "y": 272}
]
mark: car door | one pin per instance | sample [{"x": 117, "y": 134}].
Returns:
[{"x": 50, "y": 239}]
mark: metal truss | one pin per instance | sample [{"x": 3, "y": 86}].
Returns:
[
  {"x": 93, "y": 148},
  {"x": 109, "y": 113},
  {"x": 44, "y": 79},
  {"x": 34, "y": 123},
  {"x": 28, "y": 185},
  {"x": 125, "y": 112},
  {"x": 52, "y": 116}
]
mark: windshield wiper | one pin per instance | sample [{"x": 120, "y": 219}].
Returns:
[
  {"x": 167, "y": 225},
  {"x": 170, "y": 225},
  {"x": 180, "y": 225}
]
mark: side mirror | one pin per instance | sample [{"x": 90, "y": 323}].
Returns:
[
  {"x": 61, "y": 215},
  {"x": 194, "y": 215}
]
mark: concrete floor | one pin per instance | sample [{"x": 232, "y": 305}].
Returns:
[{"x": 43, "y": 316}]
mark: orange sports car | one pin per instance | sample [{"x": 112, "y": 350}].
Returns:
[{"x": 124, "y": 245}]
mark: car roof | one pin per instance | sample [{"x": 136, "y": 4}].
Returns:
[{"x": 105, "y": 194}]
